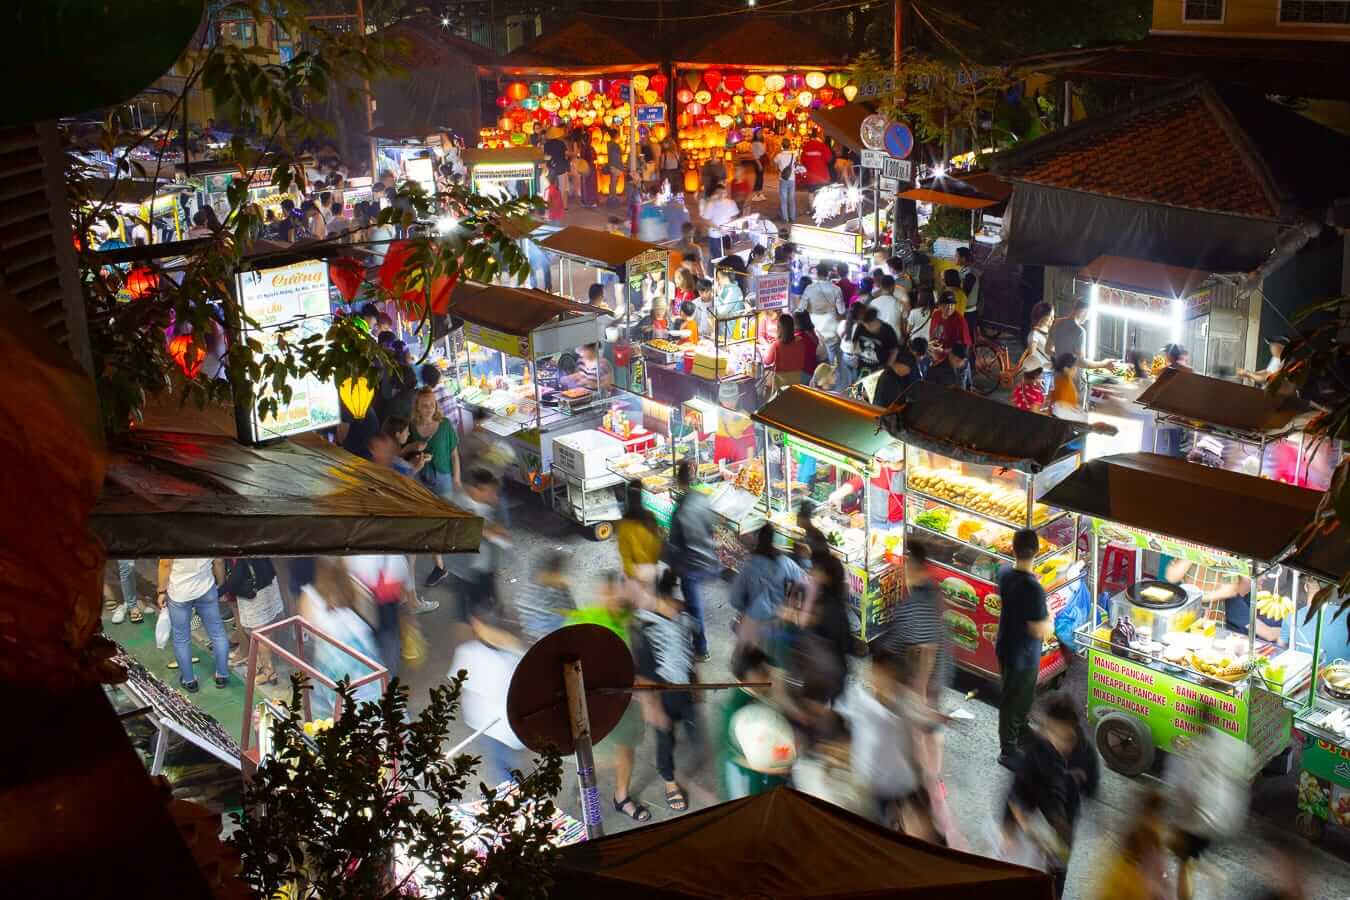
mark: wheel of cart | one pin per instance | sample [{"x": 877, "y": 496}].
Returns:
[
  {"x": 590, "y": 502},
  {"x": 602, "y": 531},
  {"x": 1125, "y": 743}
]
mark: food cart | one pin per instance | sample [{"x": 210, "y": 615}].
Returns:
[
  {"x": 1181, "y": 556},
  {"x": 833, "y": 452},
  {"x": 157, "y": 206},
  {"x": 1238, "y": 427},
  {"x": 976, "y": 471},
  {"x": 210, "y": 183},
  {"x": 829, "y": 245},
  {"x": 514, "y": 171},
  {"x": 518, "y": 342}
]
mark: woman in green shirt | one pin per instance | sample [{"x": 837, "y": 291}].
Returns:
[{"x": 435, "y": 435}]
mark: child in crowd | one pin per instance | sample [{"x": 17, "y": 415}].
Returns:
[{"x": 1029, "y": 394}]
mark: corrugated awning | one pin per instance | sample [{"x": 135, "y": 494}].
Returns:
[
  {"x": 182, "y": 494},
  {"x": 844, "y": 123},
  {"x": 512, "y": 310},
  {"x": 592, "y": 245},
  {"x": 838, "y": 424},
  {"x": 965, "y": 426},
  {"x": 1144, "y": 277},
  {"x": 1241, "y": 514},
  {"x": 968, "y": 190},
  {"x": 1224, "y": 405}
]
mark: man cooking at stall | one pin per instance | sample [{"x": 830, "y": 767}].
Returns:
[
  {"x": 885, "y": 491},
  {"x": 592, "y": 370},
  {"x": 1226, "y": 591}
]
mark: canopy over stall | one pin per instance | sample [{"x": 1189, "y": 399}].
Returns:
[
  {"x": 843, "y": 124},
  {"x": 175, "y": 494},
  {"x": 966, "y": 190},
  {"x": 1248, "y": 412},
  {"x": 512, "y": 310},
  {"x": 589, "y": 245},
  {"x": 583, "y": 46},
  {"x": 753, "y": 847},
  {"x": 845, "y": 426}
]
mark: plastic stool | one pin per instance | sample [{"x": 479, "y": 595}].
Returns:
[{"x": 1117, "y": 569}]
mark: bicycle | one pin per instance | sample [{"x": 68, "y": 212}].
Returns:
[{"x": 990, "y": 365}]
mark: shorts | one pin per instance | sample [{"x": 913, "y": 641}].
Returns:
[
  {"x": 629, "y": 731},
  {"x": 1191, "y": 845}
]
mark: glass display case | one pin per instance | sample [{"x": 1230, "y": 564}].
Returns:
[
  {"x": 728, "y": 468},
  {"x": 1322, "y": 725}
]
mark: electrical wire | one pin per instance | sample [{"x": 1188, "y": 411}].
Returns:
[{"x": 749, "y": 10}]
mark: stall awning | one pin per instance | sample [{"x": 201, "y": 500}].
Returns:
[
  {"x": 844, "y": 426},
  {"x": 592, "y": 245},
  {"x": 1221, "y": 404},
  {"x": 843, "y": 123},
  {"x": 1326, "y": 556},
  {"x": 583, "y": 46},
  {"x": 1143, "y": 277},
  {"x": 975, "y": 429},
  {"x": 751, "y": 42},
  {"x": 969, "y": 190},
  {"x": 185, "y": 494},
  {"x": 481, "y": 156},
  {"x": 1241, "y": 514},
  {"x": 131, "y": 190},
  {"x": 512, "y": 310}
]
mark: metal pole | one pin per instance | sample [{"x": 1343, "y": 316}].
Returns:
[
  {"x": 897, "y": 50},
  {"x": 369, "y": 100},
  {"x": 575, "y": 685}
]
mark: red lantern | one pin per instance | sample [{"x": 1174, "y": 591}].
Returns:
[
  {"x": 412, "y": 303},
  {"x": 734, "y": 83},
  {"x": 187, "y": 354},
  {"x": 658, "y": 83},
  {"x": 684, "y": 95},
  {"x": 560, "y": 88},
  {"x": 518, "y": 91},
  {"x": 712, "y": 78},
  {"x": 721, "y": 98},
  {"x": 142, "y": 281},
  {"x": 826, "y": 94},
  {"x": 391, "y": 273},
  {"x": 347, "y": 273},
  {"x": 503, "y": 101},
  {"x": 616, "y": 87},
  {"x": 518, "y": 115}
]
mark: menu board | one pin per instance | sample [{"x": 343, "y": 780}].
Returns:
[
  {"x": 971, "y": 612},
  {"x": 290, "y": 302}
]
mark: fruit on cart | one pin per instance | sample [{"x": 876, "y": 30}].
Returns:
[
  {"x": 1273, "y": 606},
  {"x": 664, "y": 346},
  {"x": 1219, "y": 665}
]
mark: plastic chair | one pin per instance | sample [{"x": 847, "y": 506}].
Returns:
[{"x": 1118, "y": 567}]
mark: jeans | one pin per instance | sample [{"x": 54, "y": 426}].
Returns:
[
  {"x": 443, "y": 483},
  {"x": 180, "y": 617},
  {"x": 1019, "y": 691},
  {"x": 388, "y": 637},
  {"x": 848, "y": 372},
  {"x": 678, "y": 707},
  {"x": 787, "y": 199},
  {"x": 126, "y": 575},
  {"x": 691, "y": 585},
  {"x": 614, "y": 192}
]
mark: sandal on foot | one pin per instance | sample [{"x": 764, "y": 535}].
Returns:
[
  {"x": 173, "y": 663},
  {"x": 135, "y": 617},
  {"x": 632, "y": 809},
  {"x": 676, "y": 800}
]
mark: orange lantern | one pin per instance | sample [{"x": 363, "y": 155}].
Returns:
[
  {"x": 142, "y": 282},
  {"x": 517, "y": 91},
  {"x": 684, "y": 95},
  {"x": 690, "y": 181},
  {"x": 187, "y": 354},
  {"x": 815, "y": 80},
  {"x": 694, "y": 108},
  {"x": 754, "y": 83}
]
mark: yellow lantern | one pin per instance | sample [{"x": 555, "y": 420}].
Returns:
[
  {"x": 759, "y": 100},
  {"x": 660, "y": 132},
  {"x": 724, "y": 121},
  {"x": 754, "y": 83},
  {"x": 640, "y": 83},
  {"x": 505, "y": 124},
  {"x": 837, "y": 79},
  {"x": 804, "y": 99},
  {"x": 703, "y": 98},
  {"x": 550, "y": 104},
  {"x": 582, "y": 88},
  {"x": 850, "y": 91},
  {"x": 780, "y": 115},
  {"x": 815, "y": 80},
  {"x": 356, "y": 394},
  {"x": 690, "y": 181},
  {"x": 651, "y": 97},
  {"x": 775, "y": 83}
]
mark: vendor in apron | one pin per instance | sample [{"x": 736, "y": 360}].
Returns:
[
  {"x": 1228, "y": 592},
  {"x": 885, "y": 496}
]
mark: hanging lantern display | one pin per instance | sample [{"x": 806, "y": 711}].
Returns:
[
  {"x": 539, "y": 88},
  {"x": 503, "y": 101},
  {"x": 837, "y": 80},
  {"x": 582, "y": 88},
  {"x": 651, "y": 97},
  {"x": 804, "y": 99},
  {"x": 188, "y": 356},
  {"x": 517, "y": 91},
  {"x": 356, "y": 394},
  {"x": 712, "y": 78},
  {"x": 640, "y": 83},
  {"x": 724, "y": 121},
  {"x": 850, "y": 91},
  {"x": 734, "y": 83},
  {"x": 794, "y": 81},
  {"x": 754, "y": 83},
  {"x": 816, "y": 80},
  {"x": 691, "y": 182},
  {"x": 550, "y": 104},
  {"x": 530, "y": 103},
  {"x": 693, "y": 79},
  {"x": 694, "y": 108},
  {"x": 703, "y": 98},
  {"x": 347, "y": 273},
  {"x": 684, "y": 95},
  {"x": 560, "y": 88},
  {"x": 658, "y": 83},
  {"x": 141, "y": 282},
  {"x": 774, "y": 83}
]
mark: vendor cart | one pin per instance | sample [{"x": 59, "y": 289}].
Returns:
[
  {"x": 518, "y": 344},
  {"x": 976, "y": 471},
  {"x": 1194, "y": 628},
  {"x": 635, "y": 276},
  {"x": 832, "y": 452},
  {"x": 509, "y": 171}
]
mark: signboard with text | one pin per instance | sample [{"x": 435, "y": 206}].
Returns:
[
  {"x": 827, "y": 240},
  {"x": 871, "y": 159},
  {"x": 510, "y": 344},
  {"x": 771, "y": 290},
  {"x": 650, "y": 115},
  {"x": 290, "y": 303},
  {"x": 899, "y": 169}
]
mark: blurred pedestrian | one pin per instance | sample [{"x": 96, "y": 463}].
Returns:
[
  {"x": 639, "y": 539},
  {"x": 665, "y": 654},
  {"x": 387, "y": 581},
  {"x": 1022, "y": 627},
  {"x": 252, "y": 581},
  {"x": 328, "y": 602},
  {"x": 1211, "y": 791},
  {"x": 760, "y": 589},
  {"x": 690, "y": 551},
  {"x": 917, "y": 632},
  {"x": 475, "y": 574},
  {"x": 1139, "y": 869},
  {"x": 488, "y": 661},
  {"x": 745, "y": 715},
  {"x": 546, "y": 599},
  {"x": 187, "y": 586}
]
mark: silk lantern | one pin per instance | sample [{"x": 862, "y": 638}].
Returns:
[
  {"x": 825, "y": 94},
  {"x": 712, "y": 78},
  {"x": 703, "y": 98},
  {"x": 539, "y": 88},
  {"x": 651, "y": 97},
  {"x": 774, "y": 83},
  {"x": 684, "y": 95},
  {"x": 640, "y": 83},
  {"x": 347, "y": 273},
  {"x": 530, "y": 103},
  {"x": 691, "y": 183},
  {"x": 517, "y": 91},
  {"x": 837, "y": 80},
  {"x": 694, "y": 108},
  {"x": 658, "y": 83},
  {"x": 582, "y": 88},
  {"x": 734, "y": 83},
  {"x": 754, "y": 83},
  {"x": 693, "y": 79},
  {"x": 560, "y": 89},
  {"x": 518, "y": 138},
  {"x": 804, "y": 99},
  {"x": 503, "y": 101},
  {"x": 356, "y": 394},
  {"x": 141, "y": 282},
  {"x": 795, "y": 81},
  {"x": 850, "y": 91},
  {"x": 815, "y": 80},
  {"x": 187, "y": 355}
]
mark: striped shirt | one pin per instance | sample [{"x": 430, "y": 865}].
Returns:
[
  {"x": 918, "y": 618},
  {"x": 672, "y": 645},
  {"x": 541, "y": 608}
]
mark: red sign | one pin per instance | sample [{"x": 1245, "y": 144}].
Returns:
[{"x": 971, "y": 613}]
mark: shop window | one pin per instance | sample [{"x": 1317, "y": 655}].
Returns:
[
  {"x": 241, "y": 34},
  {"x": 1202, "y": 10},
  {"x": 1315, "y": 12}
]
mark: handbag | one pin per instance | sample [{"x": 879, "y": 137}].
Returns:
[{"x": 789, "y": 172}]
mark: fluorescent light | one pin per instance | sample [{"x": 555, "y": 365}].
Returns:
[
  {"x": 1172, "y": 321},
  {"x": 447, "y": 223}
]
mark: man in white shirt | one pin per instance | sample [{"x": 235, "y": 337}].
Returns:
[
  {"x": 785, "y": 164},
  {"x": 489, "y": 661},
  {"x": 824, "y": 302},
  {"x": 889, "y": 308}
]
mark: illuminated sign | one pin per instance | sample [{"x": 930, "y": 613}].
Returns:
[{"x": 827, "y": 239}]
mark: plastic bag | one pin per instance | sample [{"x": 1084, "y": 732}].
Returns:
[
  {"x": 163, "y": 629},
  {"x": 1076, "y": 613}
]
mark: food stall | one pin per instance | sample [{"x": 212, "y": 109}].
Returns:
[
  {"x": 1140, "y": 306},
  {"x": 519, "y": 344},
  {"x": 829, "y": 245},
  {"x": 360, "y": 189},
  {"x": 514, "y": 171},
  {"x": 833, "y": 452},
  {"x": 157, "y": 206},
  {"x": 1200, "y": 628},
  {"x": 976, "y": 471},
  {"x": 210, "y": 182},
  {"x": 1238, "y": 427}
]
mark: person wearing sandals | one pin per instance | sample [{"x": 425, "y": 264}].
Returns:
[
  {"x": 253, "y": 583},
  {"x": 664, "y": 647},
  {"x": 185, "y": 586}
]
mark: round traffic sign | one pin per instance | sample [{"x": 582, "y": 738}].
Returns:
[
  {"x": 899, "y": 140},
  {"x": 873, "y": 132},
  {"x": 536, "y": 702}
]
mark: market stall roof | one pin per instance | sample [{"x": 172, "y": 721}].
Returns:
[
  {"x": 593, "y": 245},
  {"x": 198, "y": 493},
  {"x": 131, "y": 190},
  {"x": 1225, "y": 405},
  {"x": 582, "y": 46},
  {"x": 512, "y": 310},
  {"x": 1240, "y": 514},
  {"x": 836, "y": 423},
  {"x": 975, "y": 189},
  {"x": 761, "y": 42},
  {"x": 474, "y": 156},
  {"x": 1144, "y": 277},
  {"x": 1325, "y": 556},
  {"x": 412, "y": 133},
  {"x": 975, "y": 429},
  {"x": 843, "y": 123},
  {"x": 753, "y": 847},
  {"x": 428, "y": 44}
]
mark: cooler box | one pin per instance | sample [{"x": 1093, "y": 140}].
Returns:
[{"x": 584, "y": 454}]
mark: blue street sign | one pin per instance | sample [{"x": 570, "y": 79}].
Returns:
[
  {"x": 899, "y": 140},
  {"x": 650, "y": 115},
  {"x": 625, "y": 92}
]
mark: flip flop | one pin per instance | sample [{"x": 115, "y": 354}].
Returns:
[
  {"x": 173, "y": 663},
  {"x": 639, "y": 812},
  {"x": 676, "y": 800}
]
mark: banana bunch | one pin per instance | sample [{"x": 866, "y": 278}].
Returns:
[{"x": 1273, "y": 606}]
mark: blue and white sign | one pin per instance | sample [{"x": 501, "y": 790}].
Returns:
[
  {"x": 899, "y": 140},
  {"x": 626, "y": 92},
  {"x": 650, "y": 115}
]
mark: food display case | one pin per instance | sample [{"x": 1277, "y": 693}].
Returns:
[
  {"x": 1196, "y": 628},
  {"x": 829, "y": 455},
  {"x": 721, "y": 445},
  {"x": 635, "y": 275},
  {"x": 519, "y": 346}
]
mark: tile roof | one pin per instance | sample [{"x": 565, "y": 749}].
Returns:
[{"x": 1185, "y": 152}]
